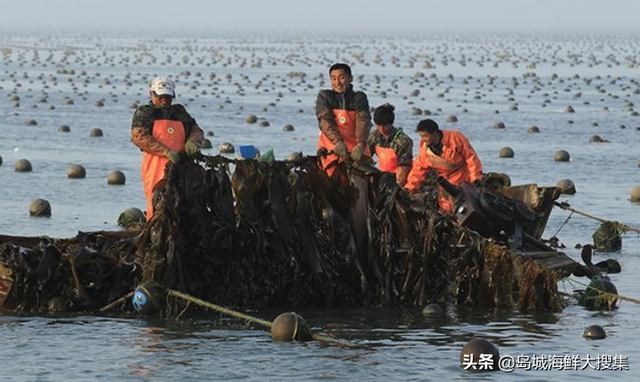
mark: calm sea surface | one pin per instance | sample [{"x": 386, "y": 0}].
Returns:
[{"x": 479, "y": 79}]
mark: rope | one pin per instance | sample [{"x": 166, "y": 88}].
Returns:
[
  {"x": 563, "y": 224},
  {"x": 246, "y": 317},
  {"x": 116, "y": 302},
  {"x": 624, "y": 227},
  {"x": 219, "y": 309}
]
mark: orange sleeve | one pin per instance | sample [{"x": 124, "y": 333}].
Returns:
[
  {"x": 418, "y": 171},
  {"x": 471, "y": 159}
]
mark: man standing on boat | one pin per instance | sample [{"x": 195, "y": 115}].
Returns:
[
  {"x": 162, "y": 131},
  {"x": 344, "y": 120},
  {"x": 450, "y": 155},
  {"x": 393, "y": 147}
]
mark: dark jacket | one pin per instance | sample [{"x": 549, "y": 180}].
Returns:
[
  {"x": 328, "y": 100},
  {"x": 146, "y": 115}
]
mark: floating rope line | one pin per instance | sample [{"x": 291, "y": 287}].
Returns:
[
  {"x": 218, "y": 308},
  {"x": 113, "y": 304},
  {"x": 563, "y": 224},
  {"x": 623, "y": 227},
  {"x": 246, "y": 317}
]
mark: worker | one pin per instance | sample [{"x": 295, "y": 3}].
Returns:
[
  {"x": 393, "y": 147},
  {"x": 344, "y": 120},
  {"x": 162, "y": 130},
  {"x": 450, "y": 155}
]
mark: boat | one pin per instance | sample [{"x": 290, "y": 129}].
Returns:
[{"x": 251, "y": 235}]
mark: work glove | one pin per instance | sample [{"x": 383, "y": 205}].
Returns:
[
  {"x": 172, "y": 156},
  {"x": 190, "y": 148},
  {"x": 341, "y": 149},
  {"x": 358, "y": 152}
]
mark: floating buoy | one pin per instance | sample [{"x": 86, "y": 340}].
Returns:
[
  {"x": 131, "y": 216},
  {"x": 40, "y": 208},
  {"x": 432, "y": 310},
  {"x": 76, "y": 171},
  {"x": 533, "y": 129},
  {"x": 607, "y": 237},
  {"x": 288, "y": 128},
  {"x": 561, "y": 156},
  {"x": 98, "y": 104},
  {"x": 210, "y": 133},
  {"x": 597, "y": 139},
  {"x": 251, "y": 118},
  {"x": 566, "y": 186},
  {"x": 0, "y": 160},
  {"x": 95, "y": 132},
  {"x": 226, "y": 148},
  {"x": 452, "y": 119},
  {"x": 57, "y": 305},
  {"x": 499, "y": 125},
  {"x": 470, "y": 355},
  {"x": 148, "y": 298},
  {"x": 22, "y": 165},
  {"x": 264, "y": 124},
  {"x": 594, "y": 332},
  {"x": 635, "y": 194},
  {"x": 207, "y": 144},
  {"x": 507, "y": 152},
  {"x": 569, "y": 109},
  {"x": 116, "y": 177},
  {"x": 295, "y": 157},
  {"x": 31, "y": 122},
  {"x": 290, "y": 327},
  {"x": 64, "y": 129}
]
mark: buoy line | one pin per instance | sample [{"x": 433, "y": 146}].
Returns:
[{"x": 567, "y": 207}]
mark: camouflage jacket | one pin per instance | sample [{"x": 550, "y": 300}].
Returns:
[
  {"x": 398, "y": 141},
  {"x": 328, "y": 101},
  {"x": 142, "y": 127}
]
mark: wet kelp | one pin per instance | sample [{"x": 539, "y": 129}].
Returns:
[
  {"x": 282, "y": 233},
  {"x": 59, "y": 275},
  {"x": 249, "y": 235}
]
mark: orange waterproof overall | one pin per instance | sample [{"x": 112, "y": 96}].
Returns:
[
  {"x": 346, "y": 123},
  {"x": 459, "y": 163},
  {"x": 171, "y": 134},
  {"x": 387, "y": 159}
]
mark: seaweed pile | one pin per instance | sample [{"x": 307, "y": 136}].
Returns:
[
  {"x": 292, "y": 237},
  {"x": 250, "y": 235}
]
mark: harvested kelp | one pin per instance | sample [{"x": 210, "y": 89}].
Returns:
[
  {"x": 248, "y": 234},
  {"x": 292, "y": 237}
]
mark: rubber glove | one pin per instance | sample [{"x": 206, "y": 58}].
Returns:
[
  {"x": 172, "y": 156},
  {"x": 190, "y": 148},
  {"x": 358, "y": 152},
  {"x": 341, "y": 149}
]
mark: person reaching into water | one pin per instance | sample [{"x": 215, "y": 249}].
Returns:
[
  {"x": 162, "y": 130},
  {"x": 393, "y": 147},
  {"x": 344, "y": 120},
  {"x": 450, "y": 155}
]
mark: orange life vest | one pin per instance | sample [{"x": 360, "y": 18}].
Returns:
[
  {"x": 171, "y": 134},
  {"x": 346, "y": 123}
]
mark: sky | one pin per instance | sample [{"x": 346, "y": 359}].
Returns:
[{"x": 361, "y": 16}]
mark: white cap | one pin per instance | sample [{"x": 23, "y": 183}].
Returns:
[{"x": 163, "y": 86}]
